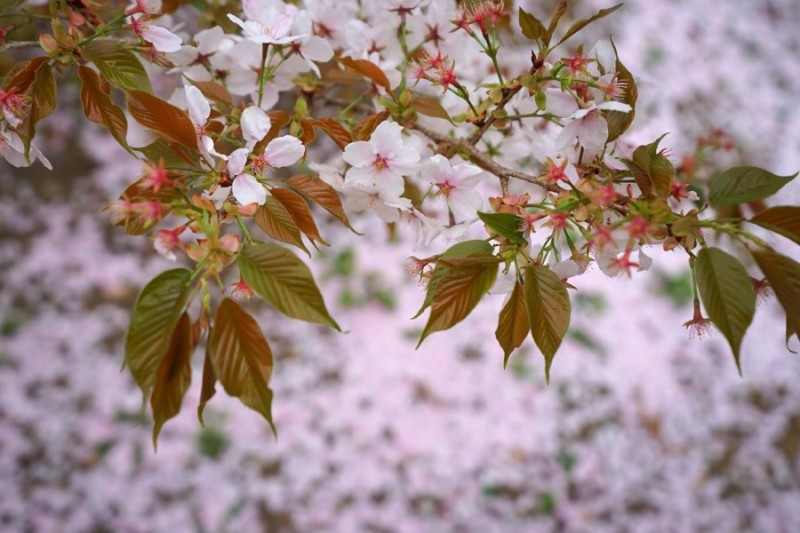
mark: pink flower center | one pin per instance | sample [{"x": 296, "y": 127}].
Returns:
[
  {"x": 446, "y": 187},
  {"x": 381, "y": 162}
]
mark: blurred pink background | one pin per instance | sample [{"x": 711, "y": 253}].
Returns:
[{"x": 641, "y": 429}]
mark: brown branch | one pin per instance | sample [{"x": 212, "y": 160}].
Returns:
[
  {"x": 504, "y": 173},
  {"x": 19, "y": 44},
  {"x": 484, "y": 161},
  {"x": 487, "y": 123}
]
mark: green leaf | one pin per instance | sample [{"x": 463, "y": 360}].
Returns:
[
  {"x": 431, "y": 107},
  {"x": 459, "y": 250},
  {"x": 98, "y": 107},
  {"x": 242, "y": 358},
  {"x": 154, "y": 113},
  {"x": 117, "y": 64},
  {"x": 42, "y": 95},
  {"x": 619, "y": 122},
  {"x": 507, "y": 225},
  {"x": 549, "y": 309},
  {"x": 652, "y": 171},
  {"x": 285, "y": 282},
  {"x": 173, "y": 377},
  {"x": 8, "y": 5},
  {"x": 745, "y": 184},
  {"x": 532, "y": 28},
  {"x": 512, "y": 326},
  {"x": 561, "y": 10},
  {"x": 783, "y": 220},
  {"x": 578, "y": 26},
  {"x": 726, "y": 290},
  {"x": 154, "y": 317},
  {"x": 783, "y": 275},
  {"x": 208, "y": 388},
  {"x": 458, "y": 291},
  {"x": 276, "y": 222}
]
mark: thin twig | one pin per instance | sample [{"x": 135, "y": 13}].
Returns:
[
  {"x": 484, "y": 161},
  {"x": 19, "y": 44}
]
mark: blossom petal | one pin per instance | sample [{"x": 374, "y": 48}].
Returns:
[
  {"x": 161, "y": 38},
  {"x": 559, "y": 103},
  {"x": 464, "y": 204},
  {"x": 593, "y": 132},
  {"x": 405, "y": 161},
  {"x": 247, "y": 190},
  {"x": 199, "y": 108},
  {"x": 387, "y": 138},
  {"x": 255, "y": 124},
  {"x": 317, "y": 49},
  {"x": 360, "y": 176},
  {"x": 359, "y": 154},
  {"x": 284, "y": 151},
  {"x": 613, "y": 105},
  {"x": 605, "y": 54},
  {"x": 237, "y": 161}
]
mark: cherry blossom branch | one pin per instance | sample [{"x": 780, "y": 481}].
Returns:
[
  {"x": 504, "y": 173},
  {"x": 484, "y": 161},
  {"x": 487, "y": 123}
]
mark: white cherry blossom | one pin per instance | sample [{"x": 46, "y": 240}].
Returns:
[
  {"x": 246, "y": 187},
  {"x": 311, "y": 48},
  {"x": 161, "y": 38},
  {"x": 589, "y": 126},
  {"x": 267, "y": 26},
  {"x": 382, "y": 161},
  {"x": 456, "y": 183},
  {"x": 12, "y": 149}
]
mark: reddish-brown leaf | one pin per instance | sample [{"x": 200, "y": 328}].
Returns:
[
  {"x": 208, "y": 389},
  {"x": 213, "y": 91},
  {"x": 335, "y": 131},
  {"x": 98, "y": 107},
  {"x": 42, "y": 96},
  {"x": 300, "y": 213},
  {"x": 173, "y": 377},
  {"x": 368, "y": 69},
  {"x": 170, "y": 6},
  {"x": 22, "y": 78},
  {"x": 275, "y": 221},
  {"x": 154, "y": 113},
  {"x": 322, "y": 194},
  {"x": 242, "y": 358},
  {"x": 333, "y": 74},
  {"x": 140, "y": 223},
  {"x": 364, "y": 129},
  {"x": 309, "y": 135},
  {"x": 512, "y": 327}
]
